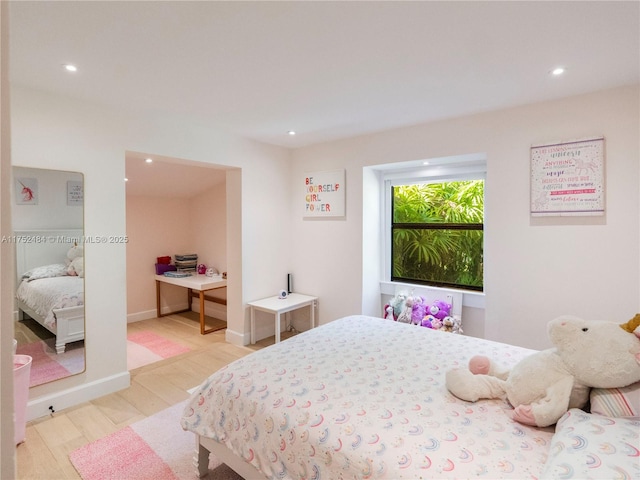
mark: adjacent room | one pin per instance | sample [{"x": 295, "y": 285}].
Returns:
[
  {"x": 320, "y": 239},
  {"x": 165, "y": 221}
]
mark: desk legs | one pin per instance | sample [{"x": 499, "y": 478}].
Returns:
[
  {"x": 277, "y": 327},
  {"x": 203, "y": 330},
  {"x": 158, "y": 298},
  {"x": 312, "y": 315},
  {"x": 253, "y": 326}
]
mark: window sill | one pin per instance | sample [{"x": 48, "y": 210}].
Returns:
[{"x": 469, "y": 297}]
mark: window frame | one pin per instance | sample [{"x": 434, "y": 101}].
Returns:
[{"x": 447, "y": 172}]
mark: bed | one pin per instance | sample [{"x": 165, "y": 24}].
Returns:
[
  {"x": 364, "y": 397},
  {"x": 45, "y": 292}
]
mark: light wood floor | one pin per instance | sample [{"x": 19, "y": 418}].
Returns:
[{"x": 49, "y": 440}]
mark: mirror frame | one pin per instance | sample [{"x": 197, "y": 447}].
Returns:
[{"x": 45, "y": 227}]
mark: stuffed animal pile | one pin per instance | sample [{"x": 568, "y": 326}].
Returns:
[
  {"x": 415, "y": 310},
  {"x": 546, "y": 384},
  {"x": 75, "y": 261}
]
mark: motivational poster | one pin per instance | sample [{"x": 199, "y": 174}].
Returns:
[
  {"x": 568, "y": 178},
  {"x": 75, "y": 192},
  {"x": 324, "y": 194}
]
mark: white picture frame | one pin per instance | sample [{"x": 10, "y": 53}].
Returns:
[
  {"x": 567, "y": 178},
  {"x": 324, "y": 194},
  {"x": 75, "y": 192}
]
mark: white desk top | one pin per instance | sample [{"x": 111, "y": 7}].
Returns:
[
  {"x": 195, "y": 282},
  {"x": 275, "y": 304}
]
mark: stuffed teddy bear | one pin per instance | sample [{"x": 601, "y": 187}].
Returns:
[
  {"x": 439, "y": 309},
  {"x": 427, "y": 321},
  {"x": 75, "y": 261},
  {"x": 544, "y": 385},
  {"x": 436, "y": 323},
  {"x": 451, "y": 324}
]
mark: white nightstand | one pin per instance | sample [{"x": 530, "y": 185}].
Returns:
[{"x": 277, "y": 306}]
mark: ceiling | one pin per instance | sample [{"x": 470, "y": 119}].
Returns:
[
  {"x": 170, "y": 177},
  {"x": 327, "y": 70}
]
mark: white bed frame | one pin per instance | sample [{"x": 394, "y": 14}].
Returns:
[
  {"x": 36, "y": 248},
  {"x": 205, "y": 446}
]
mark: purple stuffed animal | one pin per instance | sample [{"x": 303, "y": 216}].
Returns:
[
  {"x": 419, "y": 310},
  {"x": 439, "y": 309}
]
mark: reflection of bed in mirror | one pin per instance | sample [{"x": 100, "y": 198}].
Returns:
[{"x": 45, "y": 292}]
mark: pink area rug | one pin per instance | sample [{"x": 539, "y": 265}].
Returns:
[
  {"x": 154, "y": 448},
  {"x": 147, "y": 347},
  {"x": 47, "y": 365}
]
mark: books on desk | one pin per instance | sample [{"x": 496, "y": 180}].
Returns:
[{"x": 177, "y": 274}]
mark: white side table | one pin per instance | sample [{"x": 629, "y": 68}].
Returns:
[{"x": 278, "y": 306}]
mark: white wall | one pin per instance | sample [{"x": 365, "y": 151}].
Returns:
[
  {"x": 50, "y": 132},
  {"x": 7, "y": 447},
  {"x": 164, "y": 226},
  {"x": 156, "y": 226},
  {"x": 534, "y": 269}
]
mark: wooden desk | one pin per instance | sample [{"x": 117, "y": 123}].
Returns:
[
  {"x": 277, "y": 306},
  {"x": 194, "y": 283}
]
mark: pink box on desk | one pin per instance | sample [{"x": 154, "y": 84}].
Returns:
[{"x": 163, "y": 267}]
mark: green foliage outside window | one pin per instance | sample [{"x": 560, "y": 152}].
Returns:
[{"x": 437, "y": 233}]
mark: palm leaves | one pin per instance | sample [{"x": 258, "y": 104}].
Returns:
[{"x": 437, "y": 233}]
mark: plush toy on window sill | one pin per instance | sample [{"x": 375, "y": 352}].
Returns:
[
  {"x": 405, "y": 315},
  {"x": 439, "y": 309},
  {"x": 451, "y": 324},
  {"x": 546, "y": 384},
  {"x": 398, "y": 304}
]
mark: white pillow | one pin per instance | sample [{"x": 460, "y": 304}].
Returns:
[
  {"x": 46, "y": 271},
  {"x": 588, "y": 445}
]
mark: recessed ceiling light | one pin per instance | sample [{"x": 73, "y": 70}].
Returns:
[
  {"x": 291, "y": 132},
  {"x": 70, "y": 68},
  {"x": 149, "y": 160},
  {"x": 126, "y": 179},
  {"x": 557, "y": 71},
  {"x": 425, "y": 163}
]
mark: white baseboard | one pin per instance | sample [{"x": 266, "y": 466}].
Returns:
[
  {"x": 213, "y": 309},
  {"x": 138, "y": 316},
  {"x": 236, "y": 338},
  {"x": 146, "y": 314},
  {"x": 70, "y": 397}
]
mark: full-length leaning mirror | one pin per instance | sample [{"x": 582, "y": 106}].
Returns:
[{"x": 48, "y": 218}]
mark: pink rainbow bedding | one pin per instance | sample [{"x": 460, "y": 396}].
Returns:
[{"x": 364, "y": 397}]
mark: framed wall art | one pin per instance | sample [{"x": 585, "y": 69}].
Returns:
[
  {"x": 567, "y": 178},
  {"x": 26, "y": 191},
  {"x": 324, "y": 194},
  {"x": 75, "y": 193}
]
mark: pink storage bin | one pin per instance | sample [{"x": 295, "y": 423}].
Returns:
[{"x": 21, "y": 378}]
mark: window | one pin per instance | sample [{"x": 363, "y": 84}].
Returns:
[{"x": 435, "y": 227}]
